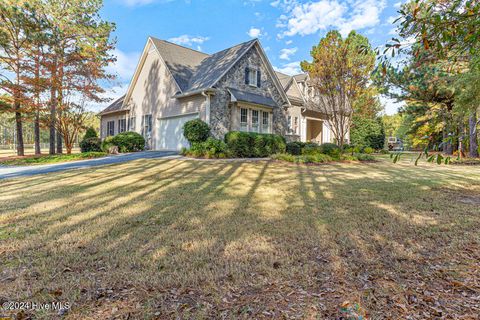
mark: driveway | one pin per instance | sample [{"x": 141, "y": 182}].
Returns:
[{"x": 13, "y": 172}]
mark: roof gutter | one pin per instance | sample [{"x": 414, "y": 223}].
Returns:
[{"x": 194, "y": 92}]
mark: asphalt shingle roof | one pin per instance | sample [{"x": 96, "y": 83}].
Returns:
[
  {"x": 194, "y": 70},
  {"x": 116, "y": 106},
  {"x": 252, "y": 97}
]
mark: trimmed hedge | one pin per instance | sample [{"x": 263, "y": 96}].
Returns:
[
  {"x": 295, "y": 148},
  {"x": 254, "y": 145},
  {"x": 126, "y": 142},
  {"x": 196, "y": 131},
  {"x": 212, "y": 148},
  {"x": 92, "y": 144}
]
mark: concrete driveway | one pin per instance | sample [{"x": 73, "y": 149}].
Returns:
[{"x": 13, "y": 172}]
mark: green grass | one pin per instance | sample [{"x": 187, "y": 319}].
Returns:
[
  {"x": 193, "y": 239},
  {"x": 47, "y": 159}
]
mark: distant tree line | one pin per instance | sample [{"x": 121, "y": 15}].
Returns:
[
  {"x": 438, "y": 74},
  {"x": 53, "y": 56}
]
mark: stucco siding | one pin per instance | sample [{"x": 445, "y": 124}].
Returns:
[{"x": 110, "y": 117}]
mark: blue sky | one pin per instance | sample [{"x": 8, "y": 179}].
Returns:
[{"x": 287, "y": 29}]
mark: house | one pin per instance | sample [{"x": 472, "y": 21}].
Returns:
[{"x": 234, "y": 89}]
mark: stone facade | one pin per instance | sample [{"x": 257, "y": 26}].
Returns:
[{"x": 221, "y": 107}]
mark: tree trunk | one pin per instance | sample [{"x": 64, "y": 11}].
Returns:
[
  {"x": 18, "y": 124},
  {"x": 472, "y": 123},
  {"x": 37, "y": 133},
  {"x": 59, "y": 139},
  {"x": 36, "y": 128},
  {"x": 53, "y": 109},
  {"x": 60, "y": 103}
]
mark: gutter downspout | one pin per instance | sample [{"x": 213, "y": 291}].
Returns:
[{"x": 207, "y": 95}]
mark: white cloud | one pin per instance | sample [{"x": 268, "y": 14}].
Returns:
[
  {"x": 287, "y": 52},
  {"x": 398, "y": 4},
  {"x": 125, "y": 65},
  {"x": 187, "y": 40},
  {"x": 311, "y": 17},
  {"x": 392, "y": 19},
  {"x": 275, "y": 3},
  {"x": 288, "y": 42},
  {"x": 254, "y": 32},
  {"x": 291, "y": 68}
]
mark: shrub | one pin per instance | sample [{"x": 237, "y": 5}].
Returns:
[
  {"x": 90, "y": 133},
  {"x": 330, "y": 148},
  {"x": 311, "y": 148},
  {"x": 306, "y": 158},
  {"x": 196, "y": 131},
  {"x": 214, "y": 148},
  {"x": 250, "y": 144},
  {"x": 126, "y": 142},
  {"x": 368, "y": 150},
  {"x": 107, "y": 143},
  {"x": 295, "y": 147},
  {"x": 92, "y": 144}
]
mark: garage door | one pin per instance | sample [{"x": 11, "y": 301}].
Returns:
[{"x": 170, "y": 132}]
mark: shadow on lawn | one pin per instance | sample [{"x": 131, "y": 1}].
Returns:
[{"x": 238, "y": 239}]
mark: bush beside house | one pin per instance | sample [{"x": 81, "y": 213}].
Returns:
[
  {"x": 237, "y": 144},
  {"x": 240, "y": 144},
  {"x": 90, "y": 142},
  {"x": 125, "y": 142}
]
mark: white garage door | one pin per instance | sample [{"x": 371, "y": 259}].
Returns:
[{"x": 170, "y": 132}]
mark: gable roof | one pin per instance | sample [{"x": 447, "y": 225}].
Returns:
[
  {"x": 195, "y": 71},
  {"x": 290, "y": 85},
  {"x": 181, "y": 61},
  {"x": 116, "y": 106}
]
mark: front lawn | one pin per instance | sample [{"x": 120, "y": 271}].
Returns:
[
  {"x": 226, "y": 239},
  {"x": 47, "y": 159}
]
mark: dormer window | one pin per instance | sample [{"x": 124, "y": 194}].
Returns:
[{"x": 252, "y": 77}]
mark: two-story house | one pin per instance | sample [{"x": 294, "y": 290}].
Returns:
[{"x": 234, "y": 89}]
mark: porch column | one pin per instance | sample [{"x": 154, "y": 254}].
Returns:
[{"x": 303, "y": 129}]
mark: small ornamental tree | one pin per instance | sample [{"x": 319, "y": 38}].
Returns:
[
  {"x": 196, "y": 131},
  {"x": 90, "y": 133}
]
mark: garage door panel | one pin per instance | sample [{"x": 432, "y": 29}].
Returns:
[{"x": 170, "y": 132}]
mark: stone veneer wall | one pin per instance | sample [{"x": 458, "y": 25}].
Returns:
[{"x": 220, "y": 106}]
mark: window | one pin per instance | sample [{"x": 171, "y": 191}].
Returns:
[
  {"x": 147, "y": 125},
  {"x": 131, "y": 124},
  {"x": 265, "y": 122},
  {"x": 243, "y": 119},
  {"x": 252, "y": 77},
  {"x": 290, "y": 125},
  {"x": 255, "y": 120},
  {"x": 110, "y": 128},
  {"x": 295, "y": 125},
  {"x": 122, "y": 125}
]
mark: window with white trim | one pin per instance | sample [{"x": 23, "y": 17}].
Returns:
[
  {"x": 289, "y": 123},
  {"x": 147, "y": 125},
  {"x": 122, "y": 125},
  {"x": 110, "y": 128},
  {"x": 131, "y": 124},
  {"x": 253, "y": 77},
  {"x": 255, "y": 121},
  {"x": 265, "y": 122},
  {"x": 243, "y": 119},
  {"x": 295, "y": 125}
]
